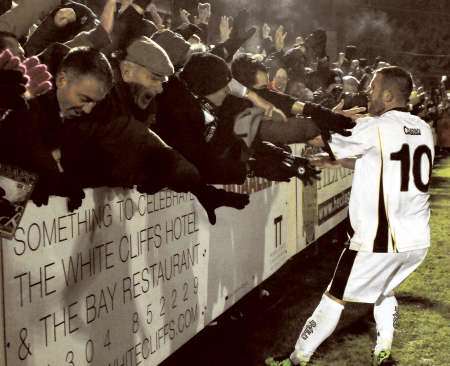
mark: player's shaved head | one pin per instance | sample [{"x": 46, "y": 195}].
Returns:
[{"x": 398, "y": 81}]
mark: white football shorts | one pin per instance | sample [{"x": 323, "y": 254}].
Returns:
[{"x": 365, "y": 276}]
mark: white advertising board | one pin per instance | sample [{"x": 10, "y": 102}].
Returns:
[
  {"x": 116, "y": 282},
  {"x": 128, "y": 278}
]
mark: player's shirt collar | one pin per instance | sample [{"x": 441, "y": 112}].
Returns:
[{"x": 399, "y": 109}]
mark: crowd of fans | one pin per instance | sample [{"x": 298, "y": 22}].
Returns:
[{"x": 111, "y": 93}]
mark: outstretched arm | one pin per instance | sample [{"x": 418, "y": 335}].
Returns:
[{"x": 324, "y": 161}]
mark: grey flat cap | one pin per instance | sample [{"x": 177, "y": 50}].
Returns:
[{"x": 147, "y": 53}]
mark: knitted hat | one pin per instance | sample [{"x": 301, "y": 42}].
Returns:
[
  {"x": 205, "y": 73},
  {"x": 147, "y": 53},
  {"x": 174, "y": 44}
]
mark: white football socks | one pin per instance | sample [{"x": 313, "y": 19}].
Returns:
[
  {"x": 319, "y": 326},
  {"x": 386, "y": 315}
]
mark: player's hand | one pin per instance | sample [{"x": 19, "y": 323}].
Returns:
[
  {"x": 322, "y": 161},
  {"x": 353, "y": 113},
  {"x": 328, "y": 121}
]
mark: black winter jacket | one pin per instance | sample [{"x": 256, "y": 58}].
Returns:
[{"x": 180, "y": 121}]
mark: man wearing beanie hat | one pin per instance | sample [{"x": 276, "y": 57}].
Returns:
[
  {"x": 207, "y": 75},
  {"x": 186, "y": 118}
]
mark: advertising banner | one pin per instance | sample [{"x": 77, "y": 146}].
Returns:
[{"x": 128, "y": 278}]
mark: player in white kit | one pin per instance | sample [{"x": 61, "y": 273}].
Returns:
[{"x": 393, "y": 154}]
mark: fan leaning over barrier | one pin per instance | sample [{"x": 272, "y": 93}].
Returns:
[{"x": 204, "y": 127}]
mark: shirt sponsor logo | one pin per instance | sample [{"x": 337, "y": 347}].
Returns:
[{"x": 411, "y": 131}]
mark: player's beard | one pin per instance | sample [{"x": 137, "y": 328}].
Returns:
[{"x": 376, "y": 107}]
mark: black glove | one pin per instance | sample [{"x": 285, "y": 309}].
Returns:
[
  {"x": 12, "y": 88},
  {"x": 301, "y": 168},
  {"x": 271, "y": 162},
  {"x": 58, "y": 185},
  {"x": 240, "y": 22},
  {"x": 75, "y": 199},
  {"x": 211, "y": 198},
  {"x": 327, "y": 120},
  {"x": 304, "y": 170},
  {"x": 278, "y": 163},
  {"x": 40, "y": 193}
]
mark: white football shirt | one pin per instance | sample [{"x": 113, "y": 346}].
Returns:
[{"x": 389, "y": 202}]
